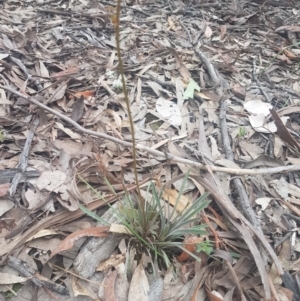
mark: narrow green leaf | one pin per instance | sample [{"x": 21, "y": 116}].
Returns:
[{"x": 93, "y": 215}]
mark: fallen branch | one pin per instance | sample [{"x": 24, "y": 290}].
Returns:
[
  {"x": 23, "y": 160},
  {"x": 24, "y": 269},
  {"x": 243, "y": 197},
  {"x": 245, "y": 228},
  {"x": 212, "y": 184},
  {"x": 7, "y": 174},
  {"x": 168, "y": 156}
]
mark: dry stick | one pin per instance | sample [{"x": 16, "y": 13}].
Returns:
[
  {"x": 23, "y": 160},
  {"x": 212, "y": 184},
  {"x": 168, "y": 156},
  {"x": 292, "y": 216},
  {"x": 236, "y": 280},
  {"x": 216, "y": 78},
  {"x": 7, "y": 174},
  {"x": 241, "y": 227},
  {"x": 244, "y": 200},
  {"x": 186, "y": 30},
  {"x": 24, "y": 269},
  {"x": 243, "y": 197},
  {"x": 25, "y": 70}
]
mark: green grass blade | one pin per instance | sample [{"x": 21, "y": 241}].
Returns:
[{"x": 93, "y": 215}]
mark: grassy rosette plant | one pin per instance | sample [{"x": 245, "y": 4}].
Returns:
[{"x": 156, "y": 228}]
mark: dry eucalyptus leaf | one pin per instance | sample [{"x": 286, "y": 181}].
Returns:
[
  {"x": 263, "y": 202},
  {"x": 259, "y": 124},
  {"x": 139, "y": 286},
  {"x": 169, "y": 110},
  {"x": 51, "y": 180},
  {"x": 11, "y": 279},
  {"x": 258, "y": 107}
]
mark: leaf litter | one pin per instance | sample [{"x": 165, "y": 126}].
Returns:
[{"x": 186, "y": 63}]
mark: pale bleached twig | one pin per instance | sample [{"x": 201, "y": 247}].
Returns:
[{"x": 157, "y": 153}]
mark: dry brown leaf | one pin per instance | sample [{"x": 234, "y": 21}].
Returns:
[
  {"x": 60, "y": 218},
  {"x": 185, "y": 73},
  {"x": 11, "y": 279},
  {"x": 43, "y": 70},
  {"x": 213, "y": 295},
  {"x": 223, "y": 29},
  {"x": 65, "y": 73},
  {"x": 68, "y": 131},
  {"x": 4, "y": 189},
  {"x": 80, "y": 290},
  {"x": 77, "y": 109},
  {"x": 291, "y": 28},
  {"x": 109, "y": 286},
  {"x": 171, "y": 195},
  {"x": 111, "y": 262},
  {"x": 249, "y": 148},
  {"x": 139, "y": 286},
  {"x": 190, "y": 244},
  {"x": 208, "y": 32},
  {"x": 283, "y": 133},
  {"x": 85, "y": 94},
  {"x": 264, "y": 160},
  {"x": 117, "y": 119},
  {"x": 69, "y": 241},
  {"x": 58, "y": 93}
]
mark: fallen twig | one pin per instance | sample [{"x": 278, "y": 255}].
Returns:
[
  {"x": 7, "y": 174},
  {"x": 25, "y": 70},
  {"x": 168, "y": 156},
  {"x": 244, "y": 200},
  {"x": 23, "y": 160},
  {"x": 214, "y": 186},
  {"x": 243, "y": 226},
  {"x": 24, "y": 269}
]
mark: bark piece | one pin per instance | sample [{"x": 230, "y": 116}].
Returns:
[{"x": 96, "y": 250}]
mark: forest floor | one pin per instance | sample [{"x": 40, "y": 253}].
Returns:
[{"x": 213, "y": 89}]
